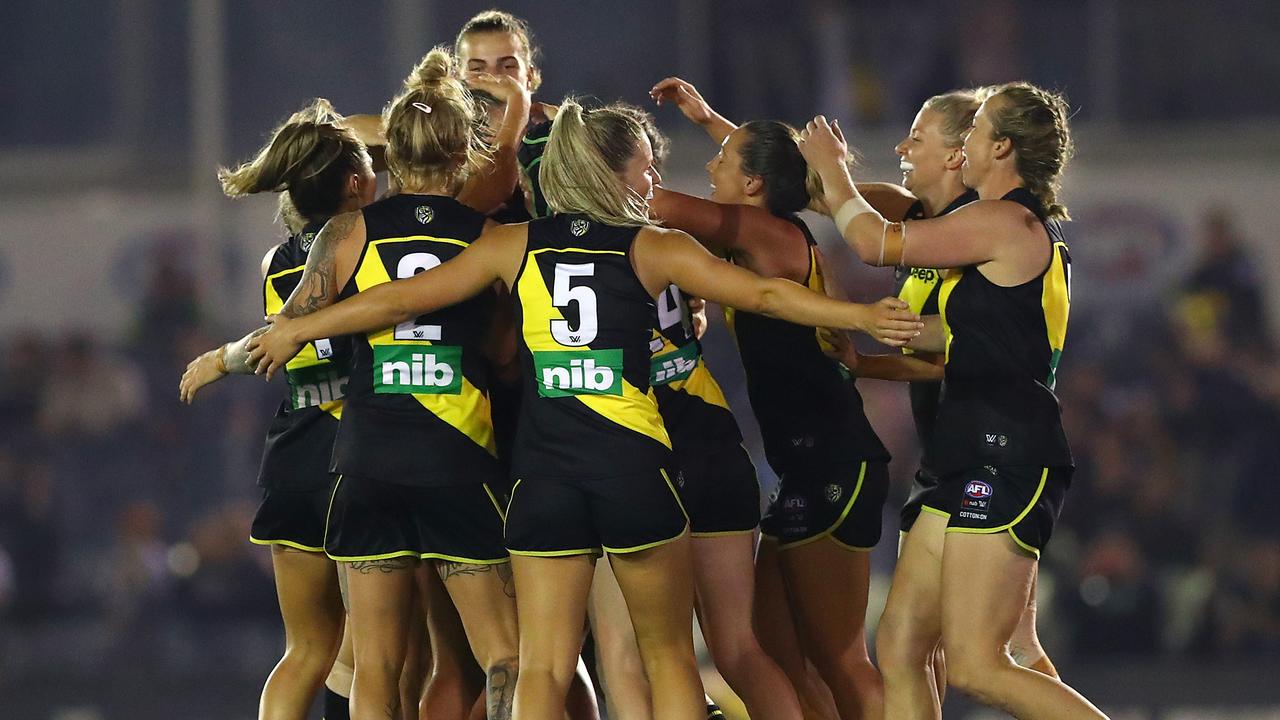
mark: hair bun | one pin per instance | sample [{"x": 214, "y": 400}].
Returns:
[{"x": 434, "y": 68}]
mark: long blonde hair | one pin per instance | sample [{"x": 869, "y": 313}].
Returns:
[
  {"x": 430, "y": 126},
  {"x": 307, "y": 161},
  {"x": 585, "y": 152}
]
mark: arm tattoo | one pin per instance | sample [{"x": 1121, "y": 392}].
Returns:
[
  {"x": 384, "y": 566},
  {"x": 318, "y": 287},
  {"x": 236, "y": 357},
  {"x": 501, "y": 688}
]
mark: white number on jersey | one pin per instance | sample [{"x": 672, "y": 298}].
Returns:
[
  {"x": 411, "y": 265},
  {"x": 563, "y": 293}
]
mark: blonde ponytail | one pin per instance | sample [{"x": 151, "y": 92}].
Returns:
[{"x": 585, "y": 152}]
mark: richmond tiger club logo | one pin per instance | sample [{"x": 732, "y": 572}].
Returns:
[
  {"x": 834, "y": 493},
  {"x": 579, "y": 227},
  {"x": 424, "y": 213},
  {"x": 307, "y": 240}
]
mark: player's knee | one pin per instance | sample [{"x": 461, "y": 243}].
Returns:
[
  {"x": 496, "y": 645},
  {"x": 901, "y": 646},
  {"x": 975, "y": 673},
  {"x": 735, "y": 657},
  {"x": 311, "y": 662}
]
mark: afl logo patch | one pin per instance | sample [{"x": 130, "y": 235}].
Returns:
[
  {"x": 834, "y": 492},
  {"x": 307, "y": 240},
  {"x": 424, "y": 213},
  {"x": 978, "y": 490},
  {"x": 579, "y": 227}
]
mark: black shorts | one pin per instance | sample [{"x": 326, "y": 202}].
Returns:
[
  {"x": 548, "y": 517},
  {"x": 1021, "y": 500},
  {"x": 373, "y": 520},
  {"x": 922, "y": 489},
  {"x": 843, "y": 506},
  {"x": 719, "y": 490},
  {"x": 292, "y": 518}
]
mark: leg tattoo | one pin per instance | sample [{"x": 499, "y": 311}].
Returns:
[{"x": 501, "y": 688}]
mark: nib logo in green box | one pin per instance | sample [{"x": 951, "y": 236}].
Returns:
[
  {"x": 315, "y": 385},
  {"x": 675, "y": 365},
  {"x": 588, "y": 372},
  {"x": 417, "y": 369}
]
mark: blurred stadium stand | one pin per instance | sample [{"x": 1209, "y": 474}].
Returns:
[{"x": 127, "y": 586}]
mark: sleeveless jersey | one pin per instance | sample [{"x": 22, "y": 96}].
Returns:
[
  {"x": 300, "y": 437},
  {"x": 692, "y": 404},
  {"x": 530, "y": 157},
  {"x": 918, "y": 287},
  {"x": 801, "y": 398},
  {"x": 1002, "y": 350},
  {"x": 585, "y": 323},
  {"x": 417, "y": 408}
]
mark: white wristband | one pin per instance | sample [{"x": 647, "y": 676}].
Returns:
[{"x": 852, "y": 208}]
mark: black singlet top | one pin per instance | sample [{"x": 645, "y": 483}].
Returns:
[
  {"x": 530, "y": 158},
  {"x": 692, "y": 404},
  {"x": 918, "y": 287},
  {"x": 300, "y": 438},
  {"x": 803, "y": 400},
  {"x": 585, "y": 323},
  {"x": 417, "y": 408},
  {"x": 1003, "y": 345}
]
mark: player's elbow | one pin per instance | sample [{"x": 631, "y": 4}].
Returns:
[
  {"x": 865, "y": 251},
  {"x": 769, "y": 298},
  {"x": 400, "y": 308}
]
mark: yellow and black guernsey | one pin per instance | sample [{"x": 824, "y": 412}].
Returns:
[
  {"x": 417, "y": 409},
  {"x": 301, "y": 435},
  {"x": 692, "y": 404},
  {"x": 809, "y": 410},
  {"x": 1003, "y": 344},
  {"x": 918, "y": 287},
  {"x": 585, "y": 324}
]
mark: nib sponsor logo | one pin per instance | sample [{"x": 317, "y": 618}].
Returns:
[
  {"x": 315, "y": 385},
  {"x": 417, "y": 370},
  {"x": 592, "y": 372},
  {"x": 675, "y": 365}
]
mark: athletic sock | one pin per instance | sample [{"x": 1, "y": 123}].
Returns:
[
  {"x": 713, "y": 711},
  {"x": 337, "y": 707}
]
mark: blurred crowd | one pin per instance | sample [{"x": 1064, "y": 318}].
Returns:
[
  {"x": 1168, "y": 540},
  {"x": 124, "y": 515},
  {"x": 119, "y": 523}
]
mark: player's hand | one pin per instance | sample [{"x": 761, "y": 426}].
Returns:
[
  {"x": 269, "y": 351},
  {"x": 823, "y": 144},
  {"x": 685, "y": 96},
  {"x": 203, "y": 370},
  {"x": 697, "y": 315},
  {"x": 503, "y": 87},
  {"x": 891, "y": 322},
  {"x": 839, "y": 347}
]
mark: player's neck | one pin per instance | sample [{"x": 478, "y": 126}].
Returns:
[
  {"x": 936, "y": 199},
  {"x": 999, "y": 182}
]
